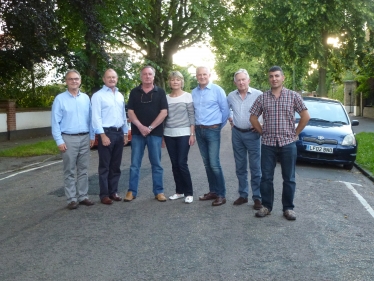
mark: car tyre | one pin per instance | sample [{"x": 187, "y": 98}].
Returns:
[{"x": 348, "y": 166}]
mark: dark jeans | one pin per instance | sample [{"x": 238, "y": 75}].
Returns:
[
  {"x": 110, "y": 158},
  {"x": 178, "y": 148},
  {"x": 287, "y": 155}
]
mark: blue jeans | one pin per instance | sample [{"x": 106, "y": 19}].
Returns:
[
  {"x": 287, "y": 155},
  {"x": 247, "y": 149},
  {"x": 209, "y": 141},
  {"x": 178, "y": 148},
  {"x": 138, "y": 143}
]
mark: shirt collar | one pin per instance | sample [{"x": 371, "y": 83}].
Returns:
[
  {"x": 105, "y": 88},
  {"x": 209, "y": 86}
]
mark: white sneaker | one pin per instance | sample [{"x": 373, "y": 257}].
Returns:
[
  {"x": 176, "y": 196},
  {"x": 189, "y": 199}
]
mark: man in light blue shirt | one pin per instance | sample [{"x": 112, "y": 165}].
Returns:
[
  {"x": 211, "y": 113},
  {"x": 110, "y": 122},
  {"x": 246, "y": 142},
  {"x": 72, "y": 131}
]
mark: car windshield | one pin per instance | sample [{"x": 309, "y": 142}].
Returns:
[{"x": 325, "y": 111}]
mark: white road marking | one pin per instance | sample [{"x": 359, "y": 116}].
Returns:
[
  {"x": 359, "y": 197},
  {"x": 25, "y": 171}
]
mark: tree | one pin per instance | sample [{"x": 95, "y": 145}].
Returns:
[
  {"x": 159, "y": 29},
  {"x": 31, "y": 36},
  {"x": 298, "y": 31}
]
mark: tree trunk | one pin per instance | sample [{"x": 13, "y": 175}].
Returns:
[
  {"x": 322, "y": 82},
  {"x": 322, "y": 71}
]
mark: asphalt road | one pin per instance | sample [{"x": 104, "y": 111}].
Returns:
[{"x": 332, "y": 238}]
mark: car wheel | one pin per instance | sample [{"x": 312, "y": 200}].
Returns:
[{"x": 348, "y": 166}]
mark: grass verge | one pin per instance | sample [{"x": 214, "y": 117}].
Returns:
[
  {"x": 365, "y": 153},
  {"x": 48, "y": 147}
]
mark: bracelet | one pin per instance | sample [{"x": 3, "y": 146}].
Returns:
[
  {"x": 125, "y": 134},
  {"x": 192, "y": 135}
]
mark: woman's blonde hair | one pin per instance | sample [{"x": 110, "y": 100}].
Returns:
[{"x": 176, "y": 74}]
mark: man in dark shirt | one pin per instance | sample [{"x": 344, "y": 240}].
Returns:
[{"x": 147, "y": 109}]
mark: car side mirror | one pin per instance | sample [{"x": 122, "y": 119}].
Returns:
[{"x": 354, "y": 123}]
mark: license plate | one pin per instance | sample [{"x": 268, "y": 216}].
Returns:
[{"x": 319, "y": 149}]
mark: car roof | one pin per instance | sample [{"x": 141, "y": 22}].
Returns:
[{"x": 316, "y": 99}]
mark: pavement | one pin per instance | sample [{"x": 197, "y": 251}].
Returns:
[{"x": 11, "y": 164}]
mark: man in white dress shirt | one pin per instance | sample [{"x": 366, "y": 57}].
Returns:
[{"x": 109, "y": 121}]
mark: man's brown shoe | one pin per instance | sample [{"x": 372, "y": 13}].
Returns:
[
  {"x": 219, "y": 201},
  {"x": 106, "y": 201},
  {"x": 240, "y": 201},
  {"x": 73, "y": 205},
  {"x": 86, "y": 202},
  {"x": 129, "y": 197},
  {"x": 208, "y": 196},
  {"x": 115, "y": 197},
  {"x": 257, "y": 205},
  {"x": 160, "y": 197}
]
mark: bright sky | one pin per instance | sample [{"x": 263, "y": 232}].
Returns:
[{"x": 195, "y": 56}]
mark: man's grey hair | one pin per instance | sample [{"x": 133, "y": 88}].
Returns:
[
  {"x": 74, "y": 71},
  {"x": 150, "y": 67},
  {"x": 242, "y": 70},
  {"x": 199, "y": 67}
]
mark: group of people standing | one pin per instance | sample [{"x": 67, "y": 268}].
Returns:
[{"x": 263, "y": 130}]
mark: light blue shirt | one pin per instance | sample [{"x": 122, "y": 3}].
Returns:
[
  {"x": 240, "y": 108},
  {"x": 108, "y": 110},
  {"x": 210, "y": 105},
  {"x": 71, "y": 115}
]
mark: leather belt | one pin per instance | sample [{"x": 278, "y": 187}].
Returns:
[
  {"x": 243, "y": 130},
  {"x": 79, "y": 134},
  {"x": 114, "y": 129},
  {"x": 209, "y": 127}
]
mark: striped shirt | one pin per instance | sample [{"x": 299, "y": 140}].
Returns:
[
  {"x": 278, "y": 116},
  {"x": 240, "y": 108},
  {"x": 180, "y": 116}
]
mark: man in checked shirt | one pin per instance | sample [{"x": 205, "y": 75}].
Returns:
[{"x": 278, "y": 106}]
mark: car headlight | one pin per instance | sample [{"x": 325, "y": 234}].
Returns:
[{"x": 349, "y": 140}]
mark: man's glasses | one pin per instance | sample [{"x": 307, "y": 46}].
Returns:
[
  {"x": 145, "y": 98},
  {"x": 73, "y": 79}
]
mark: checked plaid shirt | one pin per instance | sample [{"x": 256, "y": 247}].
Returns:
[{"x": 278, "y": 116}]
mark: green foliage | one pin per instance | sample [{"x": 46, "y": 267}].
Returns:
[
  {"x": 365, "y": 153},
  {"x": 336, "y": 92},
  {"x": 293, "y": 33},
  {"x": 31, "y": 35}
]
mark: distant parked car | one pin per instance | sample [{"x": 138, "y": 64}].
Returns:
[{"x": 328, "y": 136}]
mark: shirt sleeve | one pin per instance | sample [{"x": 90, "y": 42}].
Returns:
[
  {"x": 92, "y": 131},
  {"x": 256, "y": 108},
  {"x": 299, "y": 104},
  {"x": 224, "y": 107},
  {"x": 56, "y": 117},
  {"x": 97, "y": 122}
]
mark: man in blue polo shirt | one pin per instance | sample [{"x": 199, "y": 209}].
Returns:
[
  {"x": 211, "y": 113},
  {"x": 73, "y": 133}
]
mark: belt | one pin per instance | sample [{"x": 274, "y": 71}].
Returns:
[
  {"x": 243, "y": 130},
  {"x": 209, "y": 127},
  {"x": 79, "y": 134},
  {"x": 114, "y": 129}
]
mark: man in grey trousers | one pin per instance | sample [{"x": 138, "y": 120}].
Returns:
[{"x": 74, "y": 135}]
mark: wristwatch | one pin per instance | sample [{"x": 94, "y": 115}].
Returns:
[{"x": 150, "y": 127}]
